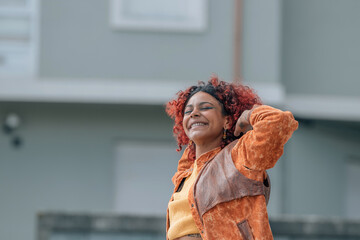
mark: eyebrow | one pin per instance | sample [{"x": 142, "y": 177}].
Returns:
[{"x": 202, "y": 103}]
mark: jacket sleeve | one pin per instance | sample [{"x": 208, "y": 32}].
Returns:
[{"x": 260, "y": 148}]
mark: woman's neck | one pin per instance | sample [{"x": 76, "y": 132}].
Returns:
[{"x": 203, "y": 148}]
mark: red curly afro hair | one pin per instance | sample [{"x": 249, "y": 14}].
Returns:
[{"x": 234, "y": 98}]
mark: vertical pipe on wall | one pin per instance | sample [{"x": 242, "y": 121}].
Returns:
[{"x": 237, "y": 52}]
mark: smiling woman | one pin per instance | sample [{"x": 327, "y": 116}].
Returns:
[
  {"x": 204, "y": 122},
  {"x": 221, "y": 184}
]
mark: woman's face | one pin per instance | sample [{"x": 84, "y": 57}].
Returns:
[{"x": 203, "y": 120}]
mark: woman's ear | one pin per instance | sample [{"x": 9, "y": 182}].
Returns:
[{"x": 228, "y": 122}]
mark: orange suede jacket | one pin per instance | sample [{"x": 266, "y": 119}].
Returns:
[{"x": 258, "y": 150}]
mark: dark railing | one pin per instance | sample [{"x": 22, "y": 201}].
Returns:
[
  {"x": 54, "y": 225},
  {"x": 85, "y": 226},
  {"x": 315, "y": 227}
]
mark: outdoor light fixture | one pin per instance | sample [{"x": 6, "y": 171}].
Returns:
[{"x": 11, "y": 124}]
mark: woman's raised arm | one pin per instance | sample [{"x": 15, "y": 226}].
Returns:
[{"x": 261, "y": 147}]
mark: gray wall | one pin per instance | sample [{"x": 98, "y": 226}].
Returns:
[
  {"x": 320, "y": 55},
  {"x": 261, "y": 45},
  {"x": 77, "y": 42},
  {"x": 321, "y": 47},
  {"x": 315, "y": 168},
  {"x": 67, "y": 160}
]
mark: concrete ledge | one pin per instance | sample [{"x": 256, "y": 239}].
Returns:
[
  {"x": 156, "y": 92},
  {"x": 89, "y": 91},
  {"x": 51, "y": 222},
  {"x": 287, "y": 226},
  {"x": 315, "y": 226},
  {"x": 110, "y": 91},
  {"x": 324, "y": 107}
]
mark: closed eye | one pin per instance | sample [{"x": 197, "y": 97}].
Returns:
[
  {"x": 187, "y": 112},
  {"x": 206, "y": 108},
  {"x": 203, "y": 108}
]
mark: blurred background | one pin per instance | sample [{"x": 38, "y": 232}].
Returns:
[{"x": 83, "y": 85}]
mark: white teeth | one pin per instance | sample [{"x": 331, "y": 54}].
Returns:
[{"x": 197, "y": 124}]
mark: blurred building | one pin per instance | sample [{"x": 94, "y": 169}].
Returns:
[{"x": 82, "y": 94}]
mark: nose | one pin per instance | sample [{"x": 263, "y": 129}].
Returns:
[{"x": 194, "y": 113}]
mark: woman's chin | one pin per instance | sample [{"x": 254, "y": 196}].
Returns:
[{"x": 200, "y": 140}]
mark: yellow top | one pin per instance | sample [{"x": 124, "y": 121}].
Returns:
[{"x": 181, "y": 220}]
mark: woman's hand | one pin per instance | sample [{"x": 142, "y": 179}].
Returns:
[{"x": 243, "y": 123}]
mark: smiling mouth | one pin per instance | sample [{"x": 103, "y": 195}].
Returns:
[{"x": 197, "y": 125}]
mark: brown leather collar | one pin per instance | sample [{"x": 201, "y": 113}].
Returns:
[{"x": 190, "y": 237}]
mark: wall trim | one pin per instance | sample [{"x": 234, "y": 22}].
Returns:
[
  {"x": 156, "y": 92},
  {"x": 115, "y": 91},
  {"x": 324, "y": 107},
  {"x": 270, "y": 93}
]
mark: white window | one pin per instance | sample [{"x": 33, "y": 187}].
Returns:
[
  {"x": 352, "y": 188},
  {"x": 159, "y": 15},
  {"x": 143, "y": 173},
  {"x": 18, "y": 26}
]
